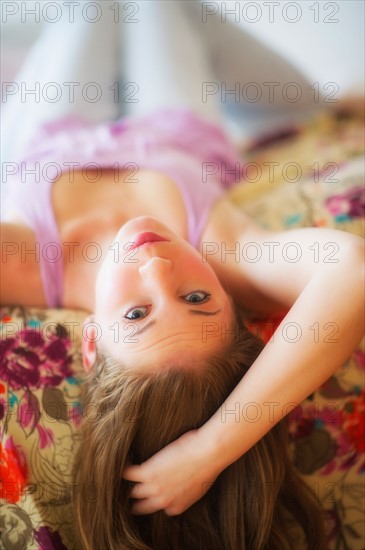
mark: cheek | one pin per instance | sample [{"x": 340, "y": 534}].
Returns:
[
  {"x": 114, "y": 283},
  {"x": 200, "y": 269}
]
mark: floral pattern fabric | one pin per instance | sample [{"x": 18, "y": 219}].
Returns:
[{"x": 40, "y": 412}]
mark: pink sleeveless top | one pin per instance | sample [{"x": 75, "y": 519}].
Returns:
[{"x": 196, "y": 154}]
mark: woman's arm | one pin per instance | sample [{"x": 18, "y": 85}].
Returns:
[
  {"x": 20, "y": 277},
  {"x": 325, "y": 287},
  {"x": 318, "y": 334}
]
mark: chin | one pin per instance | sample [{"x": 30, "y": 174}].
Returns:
[{"x": 140, "y": 224}]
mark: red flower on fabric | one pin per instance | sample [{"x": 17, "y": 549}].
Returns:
[
  {"x": 13, "y": 472},
  {"x": 354, "y": 421}
]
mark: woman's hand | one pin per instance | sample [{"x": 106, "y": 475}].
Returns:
[{"x": 174, "y": 478}]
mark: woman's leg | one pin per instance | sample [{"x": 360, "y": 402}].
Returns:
[
  {"x": 69, "y": 71},
  {"x": 164, "y": 60},
  {"x": 178, "y": 53},
  {"x": 256, "y": 85}
]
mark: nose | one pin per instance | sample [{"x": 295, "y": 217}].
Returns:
[{"x": 156, "y": 270}]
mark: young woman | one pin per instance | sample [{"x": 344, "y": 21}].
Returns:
[{"x": 185, "y": 445}]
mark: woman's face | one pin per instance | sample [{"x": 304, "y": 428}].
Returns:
[{"x": 159, "y": 301}]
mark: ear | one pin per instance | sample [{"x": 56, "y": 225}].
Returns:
[{"x": 88, "y": 345}]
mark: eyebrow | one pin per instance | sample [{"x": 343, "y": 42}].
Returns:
[
  {"x": 201, "y": 312},
  {"x": 192, "y": 311}
]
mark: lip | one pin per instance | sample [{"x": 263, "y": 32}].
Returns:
[{"x": 145, "y": 238}]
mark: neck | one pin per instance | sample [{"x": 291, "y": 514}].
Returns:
[{"x": 84, "y": 255}]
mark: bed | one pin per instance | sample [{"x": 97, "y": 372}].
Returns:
[{"x": 312, "y": 175}]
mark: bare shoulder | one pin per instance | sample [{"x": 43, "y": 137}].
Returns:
[
  {"x": 267, "y": 270},
  {"x": 221, "y": 246},
  {"x": 228, "y": 223},
  {"x": 20, "y": 277}
]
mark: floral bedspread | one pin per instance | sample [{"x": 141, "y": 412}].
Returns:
[
  {"x": 40, "y": 363},
  {"x": 40, "y": 411}
]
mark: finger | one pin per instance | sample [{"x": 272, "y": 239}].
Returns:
[
  {"x": 140, "y": 490},
  {"x": 132, "y": 473},
  {"x": 144, "y": 507}
]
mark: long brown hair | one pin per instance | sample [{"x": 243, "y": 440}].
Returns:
[{"x": 130, "y": 414}]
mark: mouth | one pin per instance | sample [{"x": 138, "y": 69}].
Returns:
[{"x": 145, "y": 238}]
